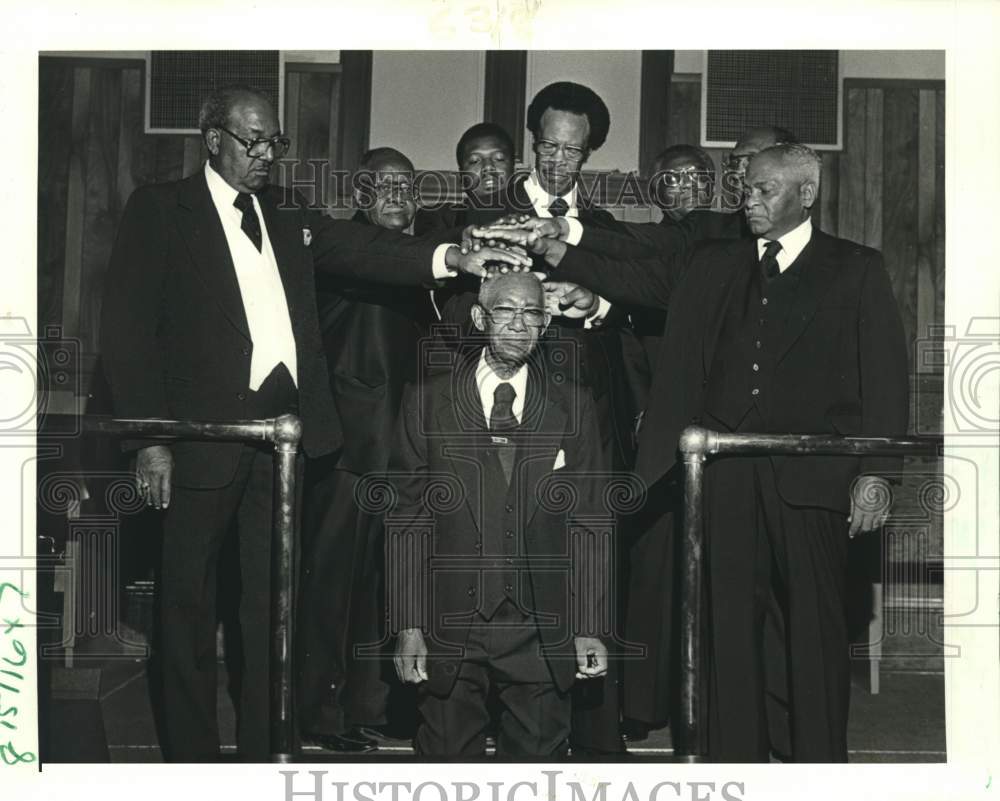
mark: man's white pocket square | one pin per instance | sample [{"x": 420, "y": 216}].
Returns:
[
  {"x": 560, "y": 460},
  {"x": 307, "y": 237}
]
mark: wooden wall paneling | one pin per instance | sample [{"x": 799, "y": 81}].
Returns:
[
  {"x": 75, "y": 198},
  {"x": 900, "y": 200},
  {"x": 354, "y": 115},
  {"x": 506, "y": 77},
  {"x": 129, "y": 134},
  {"x": 194, "y": 154},
  {"x": 101, "y": 211},
  {"x": 684, "y": 117},
  {"x": 926, "y": 249},
  {"x": 144, "y": 146},
  {"x": 851, "y": 218},
  {"x": 290, "y": 115},
  {"x": 939, "y": 203},
  {"x": 829, "y": 194},
  {"x": 333, "y": 144},
  {"x": 55, "y": 125},
  {"x": 654, "y": 105},
  {"x": 314, "y": 115},
  {"x": 169, "y": 157},
  {"x": 874, "y": 101}
]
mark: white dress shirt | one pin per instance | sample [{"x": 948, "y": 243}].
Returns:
[
  {"x": 487, "y": 381},
  {"x": 540, "y": 201},
  {"x": 260, "y": 286},
  {"x": 792, "y": 244}
]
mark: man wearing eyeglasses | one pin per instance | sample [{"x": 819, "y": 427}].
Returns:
[
  {"x": 371, "y": 336},
  {"x": 796, "y": 331},
  {"x": 567, "y": 122},
  {"x": 491, "y": 596},
  {"x": 210, "y": 314},
  {"x": 735, "y": 166}
]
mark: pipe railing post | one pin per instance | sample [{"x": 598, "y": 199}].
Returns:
[
  {"x": 689, "y": 745},
  {"x": 286, "y": 435},
  {"x": 696, "y": 445}
]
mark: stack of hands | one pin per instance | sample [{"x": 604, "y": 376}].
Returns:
[{"x": 521, "y": 235}]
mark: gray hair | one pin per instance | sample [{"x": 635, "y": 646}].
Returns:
[
  {"x": 218, "y": 106},
  {"x": 803, "y": 159}
]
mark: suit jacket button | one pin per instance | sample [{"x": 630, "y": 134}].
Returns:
[
  {"x": 478, "y": 546},
  {"x": 246, "y": 351},
  {"x": 471, "y": 591},
  {"x": 242, "y": 396},
  {"x": 508, "y": 588},
  {"x": 449, "y": 668},
  {"x": 509, "y": 508},
  {"x": 508, "y": 533}
]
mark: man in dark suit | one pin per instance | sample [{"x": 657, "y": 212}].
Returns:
[
  {"x": 210, "y": 314},
  {"x": 499, "y": 588},
  {"x": 371, "y": 336},
  {"x": 734, "y": 168},
  {"x": 485, "y": 158},
  {"x": 794, "y": 331}
]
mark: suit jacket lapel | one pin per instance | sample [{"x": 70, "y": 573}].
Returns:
[
  {"x": 543, "y": 424},
  {"x": 462, "y": 427},
  {"x": 816, "y": 275},
  {"x": 205, "y": 238},
  {"x": 745, "y": 255}
]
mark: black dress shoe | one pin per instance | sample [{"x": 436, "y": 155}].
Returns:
[
  {"x": 634, "y": 731},
  {"x": 351, "y": 742}
]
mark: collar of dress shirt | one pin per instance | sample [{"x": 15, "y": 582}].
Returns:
[
  {"x": 222, "y": 193},
  {"x": 792, "y": 244},
  {"x": 541, "y": 199},
  {"x": 488, "y": 381}
]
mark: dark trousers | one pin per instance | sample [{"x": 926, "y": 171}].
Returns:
[
  {"x": 597, "y": 703},
  {"x": 502, "y": 654},
  {"x": 650, "y": 676},
  {"x": 195, "y": 528},
  {"x": 774, "y": 571},
  {"x": 343, "y": 670}
]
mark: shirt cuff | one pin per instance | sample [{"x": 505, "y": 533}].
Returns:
[
  {"x": 438, "y": 265},
  {"x": 597, "y": 318},
  {"x": 575, "y": 231}
]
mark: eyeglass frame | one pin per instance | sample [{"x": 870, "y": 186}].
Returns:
[
  {"x": 384, "y": 189},
  {"x": 515, "y": 313},
  {"x": 556, "y": 147},
  {"x": 688, "y": 176},
  {"x": 249, "y": 144}
]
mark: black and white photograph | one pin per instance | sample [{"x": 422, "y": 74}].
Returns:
[{"x": 603, "y": 418}]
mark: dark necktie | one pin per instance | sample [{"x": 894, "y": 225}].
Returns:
[
  {"x": 558, "y": 207},
  {"x": 502, "y": 419},
  {"x": 769, "y": 261},
  {"x": 250, "y": 224}
]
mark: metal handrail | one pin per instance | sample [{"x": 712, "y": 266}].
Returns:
[
  {"x": 285, "y": 433},
  {"x": 696, "y": 445}
]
